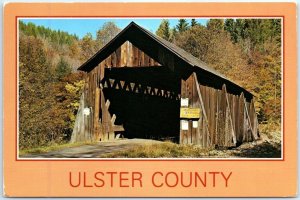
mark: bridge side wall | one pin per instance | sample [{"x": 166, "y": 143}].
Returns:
[{"x": 226, "y": 120}]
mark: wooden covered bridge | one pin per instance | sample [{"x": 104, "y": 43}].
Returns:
[{"x": 142, "y": 86}]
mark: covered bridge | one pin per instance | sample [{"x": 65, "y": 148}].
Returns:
[{"x": 142, "y": 86}]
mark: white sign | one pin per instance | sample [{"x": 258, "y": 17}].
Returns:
[
  {"x": 184, "y": 102},
  {"x": 195, "y": 124},
  {"x": 184, "y": 125},
  {"x": 86, "y": 111}
]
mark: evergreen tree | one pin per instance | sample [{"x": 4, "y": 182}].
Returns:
[
  {"x": 57, "y": 37},
  {"x": 276, "y": 27},
  {"x": 182, "y": 25},
  {"x": 193, "y": 23},
  {"x": 163, "y": 30},
  {"x": 240, "y": 28},
  {"x": 173, "y": 34},
  {"x": 229, "y": 26},
  {"x": 62, "y": 69}
]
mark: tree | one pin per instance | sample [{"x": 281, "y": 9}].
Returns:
[
  {"x": 49, "y": 91},
  {"x": 46, "y": 107},
  {"x": 182, "y": 25},
  {"x": 35, "y": 99},
  {"x": 193, "y": 23},
  {"x": 57, "y": 37},
  {"x": 163, "y": 30},
  {"x": 108, "y": 31},
  {"x": 194, "y": 41},
  {"x": 217, "y": 50},
  {"x": 229, "y": 26},
  {"x": 88, "y": 47},
  {"x": 74, "y": 50},
  {"x": 215, "y": 24},
  {"x": 62, "y": 68},
  {"x": 173, "y": 34},
  {"x": 260, "y": 40}
]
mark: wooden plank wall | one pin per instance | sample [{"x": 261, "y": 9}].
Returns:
[
  {"x": 127, "y": 55},
  {"x": 226, "y": 119},
  {"x": 195, "y": 135}
]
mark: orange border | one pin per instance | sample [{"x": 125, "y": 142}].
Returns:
[{"x": 47, "y": 178}]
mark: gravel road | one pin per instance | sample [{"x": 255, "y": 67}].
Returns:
[{"x": 93, "y": 150}]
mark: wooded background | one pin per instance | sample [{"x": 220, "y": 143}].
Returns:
[{"x": 247, "y": 51}]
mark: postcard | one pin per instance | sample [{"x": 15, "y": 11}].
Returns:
[{"x": 150, "y": 100}]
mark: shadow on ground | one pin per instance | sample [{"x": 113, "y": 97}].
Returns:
[{"x": 265, "y": 149}]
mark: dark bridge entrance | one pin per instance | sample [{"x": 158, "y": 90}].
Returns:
[{"x": 145, "y": 100}]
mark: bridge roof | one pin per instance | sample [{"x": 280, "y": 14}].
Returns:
[{"x": 166, "y": 53}]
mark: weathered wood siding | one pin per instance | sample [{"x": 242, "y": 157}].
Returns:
[{"x": 225, "y": 120}]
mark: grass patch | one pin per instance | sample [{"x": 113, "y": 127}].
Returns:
[
  {"x": 270, "y": 128},
  {"x": 53, "y": 147},
  {"x": 162, "y": 150}
]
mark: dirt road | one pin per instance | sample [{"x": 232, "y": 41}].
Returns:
[
  {"x": 93, "y": 150},
  {"x": 264, "y": 148}
]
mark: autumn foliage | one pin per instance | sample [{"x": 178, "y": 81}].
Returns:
[
  {"x": 48, "y": 93},
  {"x": 247, "y": 51}
]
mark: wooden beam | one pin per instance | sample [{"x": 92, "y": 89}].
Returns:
[
  {"x": 200, "y": 96},
  {"x": 104, "y": 127},
  {"x": 96, "y": 113},
  {"x": 107, "y": 103},
  {"x": 113, "y": 119},
  {"x": 249, "y": 121},
  {"x": 233, "y": 131},
  {"x": 118, "y": 128},
  {"x": 202, "y": 105}
]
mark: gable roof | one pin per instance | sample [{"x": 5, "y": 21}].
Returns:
[{"x": 173, "y": 57}]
